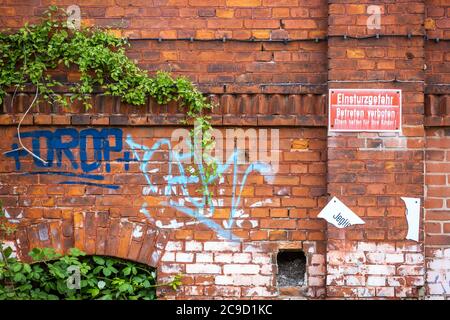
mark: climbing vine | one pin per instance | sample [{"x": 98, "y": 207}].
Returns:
[{"x": 33, "y": 53}]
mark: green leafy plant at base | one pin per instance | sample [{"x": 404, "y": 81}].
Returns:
[
  {"x": 31, "y": 54},
  {"x": 102, "y": 278},
  {"x": 48, "y": 277}
]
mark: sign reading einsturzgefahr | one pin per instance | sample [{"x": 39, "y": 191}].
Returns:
[{"x": 370, "y": 110}]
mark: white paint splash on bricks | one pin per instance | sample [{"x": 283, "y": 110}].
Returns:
[
  {"x": 218, "y": 246},
  {"x": 193, "y": 246},
  {"x": 137, "y": 232},
  {"x": 241, "y": 269},
  {"x": 203, "y": 268}
]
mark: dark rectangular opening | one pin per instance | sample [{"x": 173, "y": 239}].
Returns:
[{"x": 291, "y": 268}]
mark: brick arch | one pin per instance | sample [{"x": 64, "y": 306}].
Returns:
[{"x": 96, "y": 233}]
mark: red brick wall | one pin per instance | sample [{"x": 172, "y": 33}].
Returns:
[
  {"x": 437, "y": 222},
  {"x": 259, "y": 85}
]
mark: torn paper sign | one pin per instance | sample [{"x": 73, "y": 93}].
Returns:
[
  {"x": 339, "y": 215},
  {"x": 413, "y": 217}
]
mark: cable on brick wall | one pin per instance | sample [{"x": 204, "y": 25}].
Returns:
[{"x": 287, "y": 40}]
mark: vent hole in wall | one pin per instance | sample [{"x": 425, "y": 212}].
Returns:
[{"x": 291, "y": 268}]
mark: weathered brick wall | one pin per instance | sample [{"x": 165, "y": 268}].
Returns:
[
  {"x": 258, "y": 85},
  {"x": 437, "y": 223},
  {"x": 209, "y": 63},
  {"x": 91, "y": 195}
]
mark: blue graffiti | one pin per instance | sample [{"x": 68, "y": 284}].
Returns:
[
  {"x": 66, "y": 143},
  {"x": 182, "y": 181}
]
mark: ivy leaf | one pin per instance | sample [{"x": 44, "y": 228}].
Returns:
[
  {"x": 106, "y": 272},
  {"x": 16, "y": 267},
  {"x": 76, "y": 252},
  {"x": 98, "y": 260},
  {"x": 8, "y": 251}
]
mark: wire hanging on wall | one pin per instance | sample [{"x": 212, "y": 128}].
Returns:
[{"x": 287, "y": 40}]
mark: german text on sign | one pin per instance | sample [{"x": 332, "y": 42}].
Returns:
[{"x": 376, "y": 110}]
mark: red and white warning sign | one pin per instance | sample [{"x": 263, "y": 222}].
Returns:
[{"x": 377, "y": 110}]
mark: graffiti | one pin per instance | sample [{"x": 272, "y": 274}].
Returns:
[
  {"x": 83, "y": 156},
  {"x": 200, "y": 208},
  {"x": 69, "y": 142}
]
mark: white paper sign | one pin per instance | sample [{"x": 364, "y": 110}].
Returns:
[
  {"x": 339, "y": 215},
  {"x": 413, "y": 217}
]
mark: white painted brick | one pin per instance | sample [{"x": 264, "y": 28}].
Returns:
[
  {"x": 242, "y": 258},
  {"x": 438, "y": 264},
  {"x": 366, "y": 292},
  {"x": 193, "y": 246},
  {"x": 414, "y": 258},
  {"x": 334, "y": 269},
  {"x": 335, "y": 280},
  {"x": 184, "y": 257},
  {"x": 259, "y": 258},
  {"x": 385, "y": 292},
  {"x": 355, "y": 257},
  {"x": 417, "y": 281},
  {"x": 224, "y": 280},
  {"x": 410, "y": 270},
  {"x": 260, "y": 280},
  {"x": 204, "y": 257},
  {"x": 168, "y": 256},
  {"x": 174, "y": 246},
  {"x": 193, "y": 290},
  {"x": 409, "y": 248},
  {"x": 386, "y": 248},
  {"x": 171, "y": 268},
  {"x": 256, "y": 280},
  {"x": 203, "y": 268},
  {"x": 376, "y": 257},
  {"x": 435, "y": 288},
  {"x": 395, "y": 281},
  {"x": 355, "y": 280},
  {"x": 374, "y": 281},
  {"x": 258, "y": 292},
  {"x": 241, "y": 269},
  {"x": 352, "y": 269},
  {"x": 394, "y": 258},
  {"x": 438, "y": 253},
  {"x": 433, "y": 276},
  {"x": 252, "y": 248},
  {"x": 223, "y": 257},
  {"x": 217, "y": 246},
  {"x": 367, "y": 246},
  {"x": 227, "y": 291},
  {"x": 447, "y": 253},
  {"x": 242, "y": 280},
  {"x": 267, "y": 269},
  {"x": 335, "y": 257},
  {"x": 402, "y": 292},
  {"x": 380, "y": 269}
]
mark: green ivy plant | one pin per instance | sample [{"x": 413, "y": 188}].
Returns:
[
  {"x": 29, "y": 55},
  {"x": 102, "y": 278}
]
